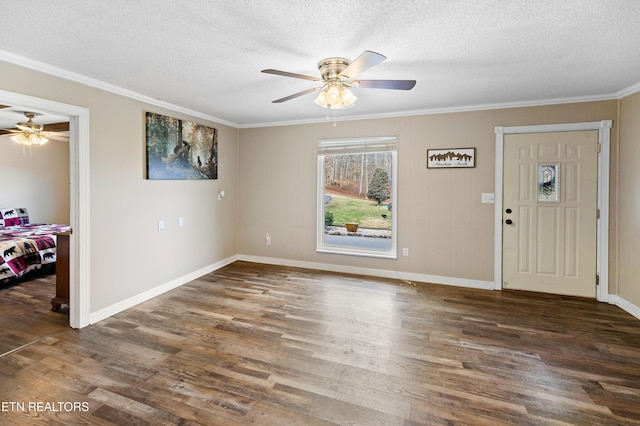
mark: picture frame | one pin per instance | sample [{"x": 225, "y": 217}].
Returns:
[
  {"x": 180, "y": 149},
  {"x": 451, "y": 158}
]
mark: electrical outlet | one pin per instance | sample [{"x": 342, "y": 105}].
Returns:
[
  {"x": 267, "y": 240},
  {"x": 180, "y": 222},
  {"x": 405, "y": 251},
  {"x": 161, "y": 225}
]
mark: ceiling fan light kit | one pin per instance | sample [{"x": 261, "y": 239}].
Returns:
[
  {"x": 29, "y": 139},
  {"x": 338, "y": 76},
  {"x": 336, "y": 97},
  {"x": 28, "y": 133}
]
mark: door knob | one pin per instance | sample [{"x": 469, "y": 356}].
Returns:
[
  {"x": 508, "y": 221},
  {"x": 508, "y": 211}
]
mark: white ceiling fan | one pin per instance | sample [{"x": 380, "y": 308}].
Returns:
[{"x": 338, "y": 77}]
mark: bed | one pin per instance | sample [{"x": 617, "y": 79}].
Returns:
[{"x": 25, "y": 247}]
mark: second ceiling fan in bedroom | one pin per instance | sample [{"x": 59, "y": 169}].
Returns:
[
  {"x": 29, "y": 133},
  {"x": 338, "y": 77}
]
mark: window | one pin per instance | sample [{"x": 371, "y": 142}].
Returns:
[{"x": 357, "y": 205}]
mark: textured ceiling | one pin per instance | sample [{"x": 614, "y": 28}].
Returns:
[{"x": 206, "y": 56}]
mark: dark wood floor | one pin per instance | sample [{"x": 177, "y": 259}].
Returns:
[{"x": 258, "y": 344}]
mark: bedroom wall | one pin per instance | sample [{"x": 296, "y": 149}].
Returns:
[
  {"x": 441, "y": 219},
  {"x": 629, "y": 206},
  {"x": 129, "y": 256},
  {"x": 38, "y": 181}
]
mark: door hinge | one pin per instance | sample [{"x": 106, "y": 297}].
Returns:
[
  {"x": 597, "y": 279},
  {"x": 598, "y": 148},
  {"x": 597, "y": 213}
]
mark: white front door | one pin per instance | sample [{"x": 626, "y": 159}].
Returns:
[{"x": 550, "y": 212}]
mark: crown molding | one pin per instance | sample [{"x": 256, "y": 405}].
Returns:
[
  {"x": 481, "y": 107},
  {"x": 98, "y": 84},
  {"x": 88, "y": 81},
  {"x": 635, "y": 88},
  {"x": 447, "y": 110}
]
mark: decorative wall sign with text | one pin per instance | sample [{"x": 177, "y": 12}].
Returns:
[{"x": 451, "y": 157}]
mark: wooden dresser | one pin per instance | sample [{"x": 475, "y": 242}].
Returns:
[{"x": 62, "y": 271}]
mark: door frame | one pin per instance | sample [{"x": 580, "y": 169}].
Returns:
[
  {"x": 79, "y": 186},
  {"x": 602, "y": 232}
]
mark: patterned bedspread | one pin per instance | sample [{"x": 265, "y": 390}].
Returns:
[{"x": 28, "y": 247}]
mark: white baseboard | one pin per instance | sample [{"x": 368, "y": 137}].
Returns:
[
  {"x": 94, "y": 317},
  {"x": 625, "y": 305},
  {"x": 383, "y": 273}
]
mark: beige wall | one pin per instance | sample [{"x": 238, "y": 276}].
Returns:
[
  {"x": 441, "y": 219},
  {"x": 629, "y": 204},
  {"x": 128, "y": 254},
  {"x": 38, "y": 181}
]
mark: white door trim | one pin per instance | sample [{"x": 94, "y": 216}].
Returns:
[
  {"x": 604, "y": 138},
  {"x": 79, "y": 277}
]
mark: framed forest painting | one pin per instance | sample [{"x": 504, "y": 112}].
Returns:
[{"x": 180, "y": 149}]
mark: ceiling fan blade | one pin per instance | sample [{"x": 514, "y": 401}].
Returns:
[
  {"x": 57, "y": 136},
  {"x": 295, "y": 95},
  {"x": 386, "y": 84},
  {"x": 57, "y": 127},
  {"x": 363, "y": 62},
  {"x": 291, "y": 74}
]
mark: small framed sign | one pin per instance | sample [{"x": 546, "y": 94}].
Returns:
[{"x": 451, "y": 157}]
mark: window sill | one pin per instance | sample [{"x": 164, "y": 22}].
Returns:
[{"x": 359, "y": 253}]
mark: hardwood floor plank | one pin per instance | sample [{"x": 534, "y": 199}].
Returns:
[
  {"x": 267, "y": 414},
  {"x": 341, "y": 412}
]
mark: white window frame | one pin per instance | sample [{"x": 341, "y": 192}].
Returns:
[{"x": 353, "y": 146}]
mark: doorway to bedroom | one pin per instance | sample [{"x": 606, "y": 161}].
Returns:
[
  {"x": 34, "y": 208},
  {"x": 28, "y": 314}
]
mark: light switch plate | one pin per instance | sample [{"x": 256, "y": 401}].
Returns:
[{"x": 488, "y": 198}]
